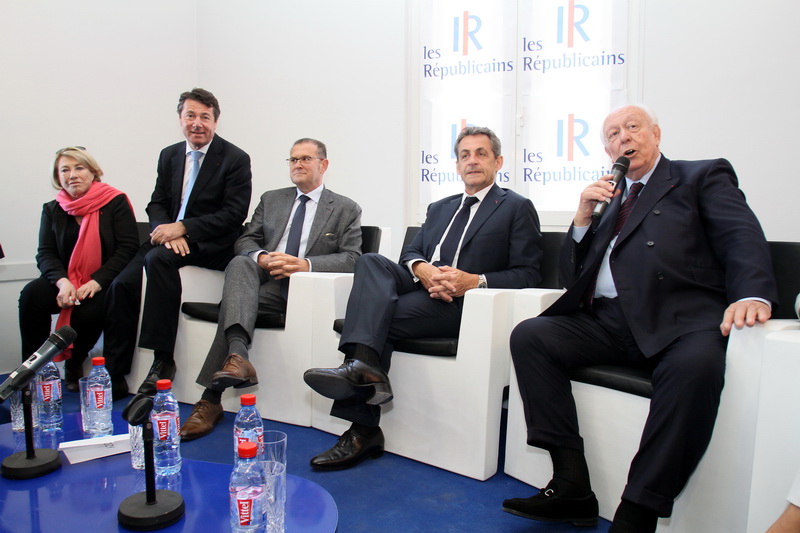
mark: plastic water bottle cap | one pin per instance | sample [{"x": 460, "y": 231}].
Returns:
[
  {"x": 248, "y": 399},
  {"x": 247, "y": 449},
  {"x": 98, "y": 361},
  {"x": 163, "y": 384}
]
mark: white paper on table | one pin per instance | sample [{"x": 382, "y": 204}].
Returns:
[{"x": 78, "y": 451}]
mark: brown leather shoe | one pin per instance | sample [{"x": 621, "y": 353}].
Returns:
[
  {"x": 237, "y": 372},
  {"x": 205, "y": 415}
]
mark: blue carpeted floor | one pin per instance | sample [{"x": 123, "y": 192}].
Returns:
[{"x": 391, "y": 494}]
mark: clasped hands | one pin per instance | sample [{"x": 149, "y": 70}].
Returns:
[
  {"x": 281, "y": 265},
  {"x": 445, "y": 282},
  {"x": 173, "y": 236},
  {"x": 69, "y": 296}
]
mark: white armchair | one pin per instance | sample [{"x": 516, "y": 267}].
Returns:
[
  {"x": 280, "y": 355},
  {"x": 717, "y": 495},
  {"x": 446, "y": 410},
  {"x": 777, "y": 437}
]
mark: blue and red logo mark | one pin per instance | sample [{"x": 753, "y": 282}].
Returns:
[
  {"x": 570, "y": 134},
  {"x": 571, "y": 22},
  {"x": 455, "y": 129},
  {"x": 464, "y": 30}
]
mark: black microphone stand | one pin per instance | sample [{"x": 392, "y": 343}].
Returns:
[
  {"x": 151, "y": 509},
  {"x": 32, "y": 462}
]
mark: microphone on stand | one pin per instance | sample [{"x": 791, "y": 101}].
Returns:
[
  {"x": 57, "y": 343},
  {"x": 29, "y": 464},
  {"x": 619, "y": 170}
]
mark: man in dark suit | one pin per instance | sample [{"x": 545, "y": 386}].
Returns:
[
  {"x": 660, "y": 289},
  {"x": 297, "y": 229},
  {"x": 486, "y": 237},
  {"x": 200, "y": 201}
]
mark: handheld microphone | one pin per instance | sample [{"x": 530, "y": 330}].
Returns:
[
  {"x": 57, "y": 343},
  {"x": 619, "y": 170}
]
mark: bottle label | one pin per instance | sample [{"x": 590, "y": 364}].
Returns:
[
  {"x": 245, "y": 511},
  {"x": 99, "y": 398},
  {"x": 50, "y": 391},
  {"x": 162, "y": 427},
  {"x": 247, "y": 436}
]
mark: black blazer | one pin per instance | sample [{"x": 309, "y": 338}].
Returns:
[
  {"x": 690, "y": 248},
  {"x": 220, "y": 197},
  {"x": 502, "y": 241},
  {"x": 58, "y": 233}
]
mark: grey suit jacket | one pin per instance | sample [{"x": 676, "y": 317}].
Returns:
[{"x": 334, "y": 242}]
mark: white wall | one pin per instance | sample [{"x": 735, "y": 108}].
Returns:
[
  {"x": 724, "y": 81},
  {"x": 107, "y": 75},
  {"x": 722, "y": 78}
]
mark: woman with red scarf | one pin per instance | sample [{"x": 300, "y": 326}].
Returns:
[{"x": 87, "y": 236}]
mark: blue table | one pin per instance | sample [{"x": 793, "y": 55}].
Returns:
[{"x": 85, "y": 497}]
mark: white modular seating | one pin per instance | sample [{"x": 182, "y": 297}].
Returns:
[
  {"x": 717, "y": 496},
  {"x": 280, "y": 356},
  {"x": 777, "y": 440},
  {"x": 446, "y": 410}
]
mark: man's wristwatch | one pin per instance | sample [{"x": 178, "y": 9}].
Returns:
[{"x": 482, "y": 282}]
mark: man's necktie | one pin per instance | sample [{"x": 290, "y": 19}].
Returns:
[
  {"x": 194, "y": 170},
  {"x": 627, "y": 206},
  {"x": 447, "y": 252},
  {"x": 293, "y": 241},
  {"x": 622, "y": 216}
]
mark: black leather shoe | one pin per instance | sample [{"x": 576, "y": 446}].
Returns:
[
  {"x": 548, "y": 506},
  {"x": 161, "y": 369},
  {"x": 350, "y": 449},
  {"x": 352, "y": 378}
]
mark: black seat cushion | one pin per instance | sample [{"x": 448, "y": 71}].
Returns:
[
  {"x": 442, "y": 347},
  {"x": 210, "y": 313},
  {"x": 632, "y": 380}
]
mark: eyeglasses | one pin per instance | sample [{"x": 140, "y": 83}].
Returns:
[{"x": 306, "y": 159}]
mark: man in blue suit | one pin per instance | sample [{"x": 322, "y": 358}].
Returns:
[
  {"x": 485, "y": 237},
  {"x": 660, "y": 288},
  {"x": 196, "y": 212}
]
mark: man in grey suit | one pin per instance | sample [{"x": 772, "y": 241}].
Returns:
[{"x": 297, "y": 229}]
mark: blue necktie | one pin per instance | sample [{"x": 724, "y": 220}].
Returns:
[
  {"x": 293, "y": 240},
  {"x": 447, "y": 251},
  {"x": 194, "y": 170}
]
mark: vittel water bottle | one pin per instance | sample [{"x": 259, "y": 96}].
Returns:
[
  {"x": 166, "y": 430},
  {"x": 247, "y": 491},
  {"x": 99, "y": 391},
  {"x": 248, "y": 426},
  {"x": 48, "y": 387}
]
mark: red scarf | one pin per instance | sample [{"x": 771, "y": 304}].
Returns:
[{"x": 87, "y": 257}]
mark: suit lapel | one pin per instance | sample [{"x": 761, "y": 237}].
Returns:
[
  {"x": 211, "y": 162},
  {"x": 324, "y": 212},
  {"x": 178, "y": 163},
  {"x": 659, "y": 184},
  {"x": 276, "y": 215},
  {"x": 490, "y": 203},
  {"x": 438, "y": 226}
]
